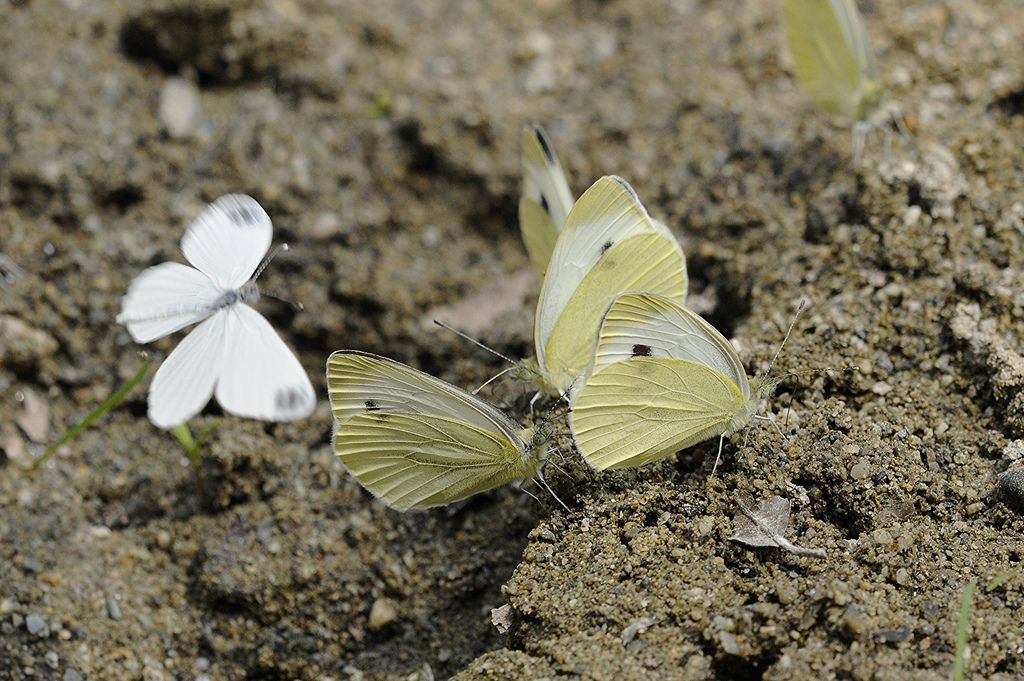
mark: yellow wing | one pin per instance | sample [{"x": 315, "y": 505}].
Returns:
[
  {"x": 546, "y": 199},
  {"x": 831, "y": 56},
  {"x": 643, "y": 409},
  {"x": 645, "y": 262},
  {"x": 419, "y": 461},
  {"x": 416, "y": 441},
  {"x": 609, "y": 245}
]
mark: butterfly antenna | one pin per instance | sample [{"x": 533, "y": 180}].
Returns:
[
  {"x": 789, "y": 332},
  {"x": 825, "y": 370},
  {"x": 297, "y": 306},
  {"x": 280, "y": 248},
  {"x": 492, "y": 379},
  {"x": 476, "y": 342}
]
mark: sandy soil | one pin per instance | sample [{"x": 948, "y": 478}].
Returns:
[{"x": 383, "y": 141}]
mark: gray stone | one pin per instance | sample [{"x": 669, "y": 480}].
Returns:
[{"x": 36, "y": 625}]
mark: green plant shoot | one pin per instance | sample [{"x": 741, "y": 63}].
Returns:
[
  {"x": 193, "y": 444},
  {"x": 99, "y": 411},
  {"x": 961, "y": 632}
]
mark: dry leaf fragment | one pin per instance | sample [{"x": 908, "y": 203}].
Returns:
[
  {"x": 766, "y": 526},
  {"x": 501, "y": 618},
  {"x": 636, "y": 628},
  {"x": 34, "y": 417}
]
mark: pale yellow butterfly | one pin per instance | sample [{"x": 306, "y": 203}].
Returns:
[
  {"x": 546, "y": 199},
  {"x": 660, "y": 380},
  {"x": 415, "y": 441},
  {"x": 834, "y": 63},
  {"x": 609, "y": 245}
]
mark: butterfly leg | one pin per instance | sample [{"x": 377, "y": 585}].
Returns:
[
  {"x": 543, "y": 483},
  {"x": 522, "y": 488},
  {"x": 536, "y": 396},
  {"x": 772, "y": 421},
  {"x": 718, "y": 457}
]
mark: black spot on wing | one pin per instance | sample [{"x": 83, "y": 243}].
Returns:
[
  {"x": 289, "y": 399},
  {"x": 371, "y": 405},
  {"x": 543, "y": 140},
  {"x": 605, "y": 246},
  {"x": 243, "y": 216},
  {"x": 641, "y": 350},
  {"x": 545, "y": 205}
]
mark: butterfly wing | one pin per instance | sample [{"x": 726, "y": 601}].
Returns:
[
  {"x": 647, "y": 325},
  {"x": 824, "y": 56},
  {"x": 414, "y": 440},
  {"x": 260, "y": 377},
  {"x": 228, "y": 240},
  {"x": 609, "y": 245},
  {"x": 643, "y": 409},
  {"x": 184, "y": 382},
  {"x": 546, "y": 199},
  {"x": 165, "y": 298}
]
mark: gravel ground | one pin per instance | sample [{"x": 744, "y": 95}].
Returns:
[{"x": 382, "y": 138}]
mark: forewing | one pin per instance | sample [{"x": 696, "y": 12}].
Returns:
[
  {"x": 184, "y": 382},
  {"x": 644, "y": 409},
  {"x": 823, "y": 59},
  {"x": 421, "y": 460},
  {"x": 228, "y": 240},
  {"x": 646, "y": 325},
  {"x": 606, "y": 214},
  {"x": 165, "y": 298},
  {"x": 360, "y": 383},
  {"x": 851, "y": 23},
  {"x": 648, "y": 261},
  {"x": 261, "y": 378},
  {"x": 546, "y": 199}
]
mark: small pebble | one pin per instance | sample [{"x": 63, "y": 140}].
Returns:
[
  {"x": 1011, "y": 488},
  {"x": 383, "y": 612},
  {"x": 179, "y": 108},
  {"x": 71, "y": 675},
  {"x": 51, "y": 659},
  {"x": 36, "y": 625},
  {"x": 163, "y": 539},
  {"x": 113, "y": 608},
  {"x": 860, "y": 471}
]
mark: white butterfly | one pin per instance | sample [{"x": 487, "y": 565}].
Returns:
[{"x": 234, "y": 353}]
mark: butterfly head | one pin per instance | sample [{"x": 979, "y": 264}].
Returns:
[{"x": 249, "y": 293}]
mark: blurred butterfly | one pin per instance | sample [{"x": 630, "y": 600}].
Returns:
[
  {"x": 834, "y": 63},
  {"x": 608, "y": 245},
  {"x": 546, "y": 199},
  {"x": 660, "y": 380},
  {"x": 415, "y": 441},
  {"x": 233, "y": 353}
]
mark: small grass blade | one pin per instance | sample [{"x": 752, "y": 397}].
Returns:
[
  {"x": 99, "y": 411},
  {"x": 1001, "y": 578},
  {"x": 961, "y": 632}
]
